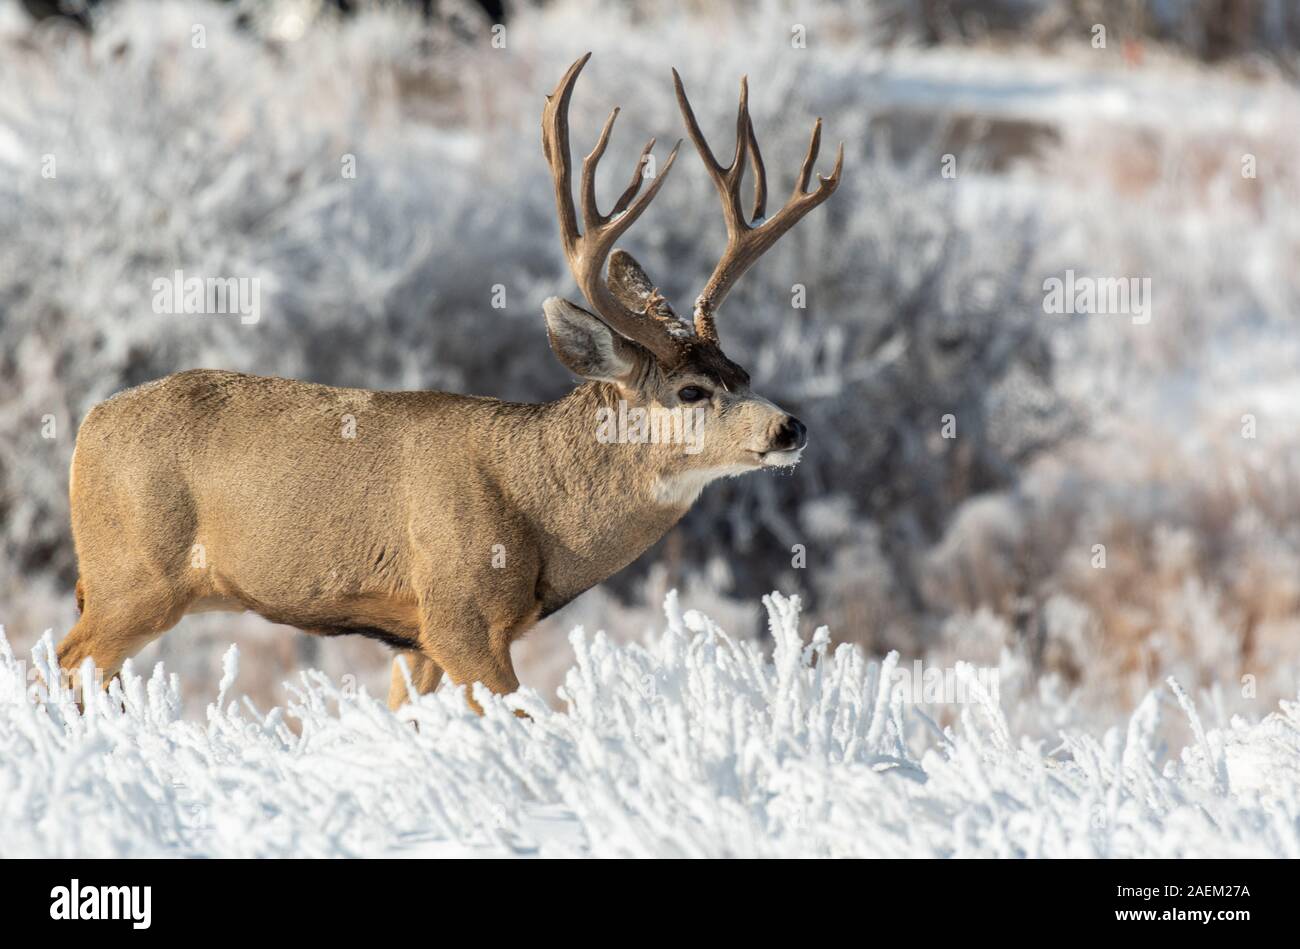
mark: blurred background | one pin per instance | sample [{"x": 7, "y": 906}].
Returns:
[{"x": 1120, "y": 501}]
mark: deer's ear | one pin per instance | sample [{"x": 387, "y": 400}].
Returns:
[{"x": 586, "y": 346}]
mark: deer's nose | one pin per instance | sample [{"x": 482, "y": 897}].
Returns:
[{"x": 791, "y": 435}]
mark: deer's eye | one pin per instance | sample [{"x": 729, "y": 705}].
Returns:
[{"x": 692, "y": 393}]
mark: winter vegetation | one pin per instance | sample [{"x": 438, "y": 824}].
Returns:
[
  {"x": 691, "y": 745},
  {"x": 1119, "y": 505}
]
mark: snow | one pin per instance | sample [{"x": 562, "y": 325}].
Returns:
[{"x": 692, "y": 744}]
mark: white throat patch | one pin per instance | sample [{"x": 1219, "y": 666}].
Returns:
[{"x": 681, "y": 490}]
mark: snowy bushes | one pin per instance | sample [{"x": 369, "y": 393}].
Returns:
[
  {"x": 923, "y": 301},
  {"x": 1206, "y": 29},
  {"x": 692, "y": 745}
]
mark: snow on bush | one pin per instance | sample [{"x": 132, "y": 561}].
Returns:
[{"x": 695, "y": 745}]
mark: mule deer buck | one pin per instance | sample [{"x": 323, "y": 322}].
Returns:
[{"x": 449, "y": 524}]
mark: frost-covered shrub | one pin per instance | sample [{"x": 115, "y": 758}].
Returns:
[
  {"x": 691, "y": 745},
  {"x": 1210, "y": 30}
]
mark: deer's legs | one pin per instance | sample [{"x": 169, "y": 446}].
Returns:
[
  {"x": 425, "y": 676},
  {"x": 475, "y": 652},
  {"x": 494, "y": 671},
  {"x": 110, "y": 631}
]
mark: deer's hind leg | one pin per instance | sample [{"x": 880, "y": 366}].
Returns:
[
  {"x": 134, "y": 526},
  {"x": 119, "y": 622},
  {"x": 425, "y": 676}
]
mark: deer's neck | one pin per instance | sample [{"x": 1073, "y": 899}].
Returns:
[{"x": 594, "y": 506}]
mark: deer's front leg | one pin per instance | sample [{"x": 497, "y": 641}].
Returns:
[
  {"x": 475, "y": 597},
  {"x": 473, "y": 648},
  {"x": 425, "y": 676}
]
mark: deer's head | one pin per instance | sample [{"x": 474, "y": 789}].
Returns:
[{"x": 634, "y": 340}]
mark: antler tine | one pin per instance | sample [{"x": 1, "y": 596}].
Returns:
[
  {"x": 591, "y": 216},
  {"x": 634, "y": 185},
  {"x": 809, "y": 159},
  {"x": 726, "y": 178},
  {"x": 587, "y": 250},
  {"x": 555, "y": 146},
  {"x": 748, "y": 239},
  {"x": 760, "y": 176},
  {"x": 737, "y": 169},
  {"x": 693, "y": 129},
  {"x": 624, "y": 220}
]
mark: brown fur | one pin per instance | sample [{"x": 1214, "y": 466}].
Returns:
[{"x": 214, "y": 490}]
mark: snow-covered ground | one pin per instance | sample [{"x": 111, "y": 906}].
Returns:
[{"x": 693, "y": 745}]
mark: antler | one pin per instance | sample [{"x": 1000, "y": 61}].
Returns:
[
  {"x": 748, "y": 239},
  {"x": 587, "y": 250}
]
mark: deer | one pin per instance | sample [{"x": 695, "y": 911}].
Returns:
[{"x": 447, "y": 525}]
